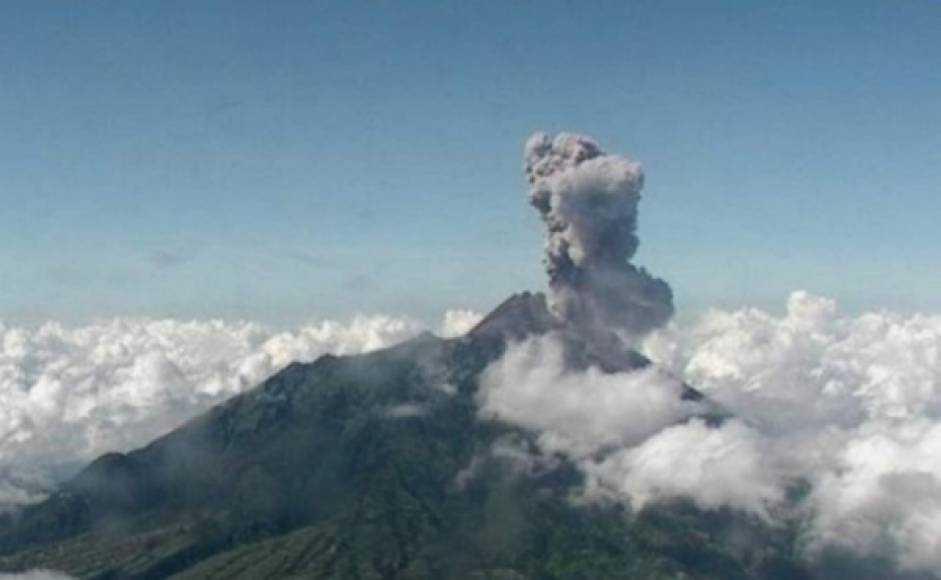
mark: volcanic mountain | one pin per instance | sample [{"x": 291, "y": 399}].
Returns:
[
  {"x": 368, "y": 466},
  {"x": 380, "y": 466},
  {"x": 384, "y": 465}
]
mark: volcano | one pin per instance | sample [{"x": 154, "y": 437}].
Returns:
[
  {"x": 383, "y": 465},
  {"x": 379, "y": 466},
  {"x": 369, "y": 466}
]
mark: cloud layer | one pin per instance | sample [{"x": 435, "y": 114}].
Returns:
[
  {"x": 850, "y": 406},
  {"x": 69, "y": 394},
  {"x": 632, "y": 433}
]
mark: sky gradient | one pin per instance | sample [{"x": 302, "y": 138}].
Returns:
[{"x": 295, "y": 160}]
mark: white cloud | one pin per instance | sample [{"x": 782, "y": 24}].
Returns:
[
  {"x": 850, "y": 404},
  {"x": 458, "y": 322},
  {"x": 632, "y": 433},
  {"x": 69, "y": 394},
  {"x": 579, "y": 412},
  {"x": 715, "y": 467}
]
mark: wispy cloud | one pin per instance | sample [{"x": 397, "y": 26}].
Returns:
[{"x": 173, "y": 256}]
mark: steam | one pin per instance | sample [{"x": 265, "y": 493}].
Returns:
[{"x": 588, "y": 201}]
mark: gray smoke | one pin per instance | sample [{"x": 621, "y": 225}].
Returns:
[{"x": 588, "y": 200}]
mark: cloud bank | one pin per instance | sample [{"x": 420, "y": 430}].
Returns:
[
  {"x": 850, "y": 404},
  {"x": 847, "y": 405},
  {"x": 69, "y": 394},
  {"x": 632, "y": 433}
]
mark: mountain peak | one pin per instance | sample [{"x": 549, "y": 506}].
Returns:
[{"x": 521, "y": 315}]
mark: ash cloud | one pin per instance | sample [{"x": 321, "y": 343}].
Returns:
[
  {"x": 630, "y": 426},
  {"x": 588, "y": 201}
]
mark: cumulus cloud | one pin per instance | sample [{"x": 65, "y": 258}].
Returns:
[
  {"x": 588, "y": 201},
  {"x": 579, "y": 412},
  {"x": 852, "y": 405},
  {"x": 848, "y": 406},
  {"x": 715, "y": 466},
  {"x": 634, "y": 434},
  {"x": 68, "y": 394},
  {"x": 458, "y": 321}
]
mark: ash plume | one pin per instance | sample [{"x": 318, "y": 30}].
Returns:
[{"x": 588, "y": 201}]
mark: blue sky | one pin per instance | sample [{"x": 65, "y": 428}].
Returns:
[{"x": 284, "y": 161}]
